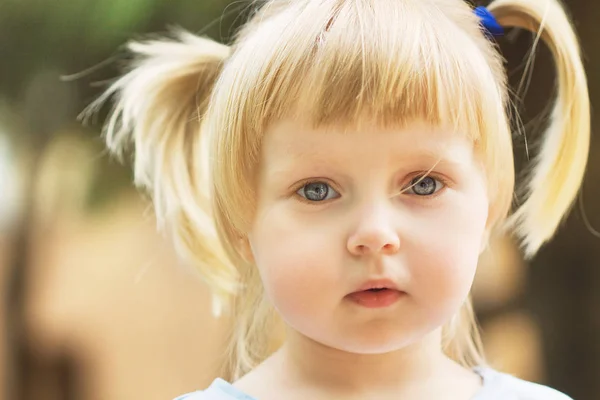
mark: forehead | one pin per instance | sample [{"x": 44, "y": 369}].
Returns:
[{"x": 291, "y": 140}]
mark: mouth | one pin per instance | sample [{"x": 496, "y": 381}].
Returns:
[
  {"x": 376, "y": 294},
  {"x": 378, "y": 285},
  {"x": 376, "y": 298}
]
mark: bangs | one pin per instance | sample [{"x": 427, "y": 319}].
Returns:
[{"x": 388, "y": 62}]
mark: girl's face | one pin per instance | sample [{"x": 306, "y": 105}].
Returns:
[{"x": 331, "y": 218}]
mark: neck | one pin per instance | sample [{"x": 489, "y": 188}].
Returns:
[{"x": 305, "y": 360}]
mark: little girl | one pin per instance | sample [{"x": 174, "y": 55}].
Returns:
[{"x": 336, "y": 173}]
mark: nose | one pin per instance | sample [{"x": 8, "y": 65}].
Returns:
[{"x": 374, "y": 234}]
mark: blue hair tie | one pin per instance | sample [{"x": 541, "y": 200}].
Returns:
[{"x": 488, "y": 21}]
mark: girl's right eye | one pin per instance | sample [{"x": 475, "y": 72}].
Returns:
[{"x": 317, "y": 191}]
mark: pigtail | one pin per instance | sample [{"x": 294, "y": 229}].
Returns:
[
  {"x": 559, "y": 168},
  {"x": 159, "y": 107}
]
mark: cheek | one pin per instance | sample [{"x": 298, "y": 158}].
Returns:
[
  {"x": 450, "y": 253},
  {"x": 296, "y": 263}
]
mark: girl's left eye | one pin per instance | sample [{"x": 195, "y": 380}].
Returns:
[
  {"x": 424, "y": 186},
  {"x": 317, "y": 191}
]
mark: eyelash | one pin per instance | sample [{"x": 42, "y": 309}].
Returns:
[{"x": 421, "y": 174}]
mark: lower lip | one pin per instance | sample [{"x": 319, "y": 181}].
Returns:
[{"x": 379, "y": 299}]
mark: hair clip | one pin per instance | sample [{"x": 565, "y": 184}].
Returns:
[{"x": 488, "y": 21}]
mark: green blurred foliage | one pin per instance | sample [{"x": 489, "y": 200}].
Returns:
[
  {"x": 42, "y": 41},
  {"x": 71, "y": 35}
]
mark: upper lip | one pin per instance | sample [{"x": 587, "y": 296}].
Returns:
[{"x": 378, "y": 284}]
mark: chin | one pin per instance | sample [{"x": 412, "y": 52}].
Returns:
[{"x": 375, "y": 342}]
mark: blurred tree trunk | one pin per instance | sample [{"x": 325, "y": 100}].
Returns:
[{"x": 49, "y": 101}]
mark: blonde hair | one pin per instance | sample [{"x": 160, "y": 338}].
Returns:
[{"x": 195, "y": 112}]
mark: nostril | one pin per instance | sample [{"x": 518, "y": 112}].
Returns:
[
  {"x": 362, "y": 249},
  {"x": 364, "y": 244}
]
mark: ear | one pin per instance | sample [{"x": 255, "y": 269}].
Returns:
[
  {"x": 485, "y": 240},
  {"x": 489, "y": 226},
  {"x": 245, "y": 249}
]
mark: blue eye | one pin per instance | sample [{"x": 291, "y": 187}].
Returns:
[
  {"x": 424, "y": 186},
  {"x": 317, "y": 191}
]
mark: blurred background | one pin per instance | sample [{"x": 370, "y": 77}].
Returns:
[{"x": 95, "y": 305}]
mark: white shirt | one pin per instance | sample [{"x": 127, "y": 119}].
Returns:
[{"x": 496, "y": 386}]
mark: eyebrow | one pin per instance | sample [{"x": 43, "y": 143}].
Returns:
[
  {"x": 440, "y": 157},
  {"x": 432, "y": 160}
]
